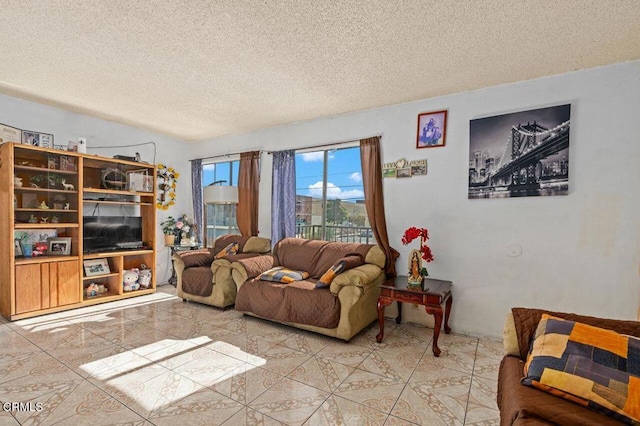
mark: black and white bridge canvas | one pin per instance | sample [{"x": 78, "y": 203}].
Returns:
[{"x": 520, "y": 154}]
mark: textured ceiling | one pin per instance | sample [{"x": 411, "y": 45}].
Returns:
[{"x": 195, "y": 69}]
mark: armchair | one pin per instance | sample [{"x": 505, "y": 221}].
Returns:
[{"x": 206, "y": 279}]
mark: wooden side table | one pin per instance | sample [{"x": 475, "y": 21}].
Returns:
[{"x": 434, "y": 294}]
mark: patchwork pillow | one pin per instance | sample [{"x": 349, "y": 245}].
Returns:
[
  {"x": 192, "y": 258},
  {"x": 230, "y": 249},
  {"x": 591, "y": 366},
  {"x": 280, "y": 274},
  {"x": 347, "y": 262}
]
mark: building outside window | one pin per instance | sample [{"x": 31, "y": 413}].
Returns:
[
  {"x": 220, "y": 213},
  {"x": 330, "y": 196}
]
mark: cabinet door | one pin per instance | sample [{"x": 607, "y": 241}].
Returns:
[
  {"x": 46, "y": 285},
  {"x": 67, "y": 277},
  {"x": 29, "y": 288}
]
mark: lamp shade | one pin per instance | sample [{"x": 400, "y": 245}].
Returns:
[{"x": 218, "y": 194}]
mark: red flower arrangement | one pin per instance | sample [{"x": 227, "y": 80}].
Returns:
[{"x": 413, "y": 233}]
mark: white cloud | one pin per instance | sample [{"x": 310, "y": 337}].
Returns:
[
  {"x": 312, "y": 156},
  {"x": 334, "y": 192},
  {"x": 356, "y": 177}
]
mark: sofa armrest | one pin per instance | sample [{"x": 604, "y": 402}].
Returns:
[
  {"x": 191, "y": 258},
  {"x": 509, "y": 336},
  {"x": 363, "y": 276},
  {"x": 246, "y": 269}
]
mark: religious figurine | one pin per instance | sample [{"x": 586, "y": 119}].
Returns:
[{"x": 415, "y": 265}]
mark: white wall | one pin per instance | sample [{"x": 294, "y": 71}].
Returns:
[
  {"x": 580, "y": 252},
  {"x": 68, "y": 126}
]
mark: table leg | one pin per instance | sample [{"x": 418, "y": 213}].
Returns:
[
  {"x": 437, "y": 315},
  {"x": 399, "y": 317},
  {"x": 447, "y": 314},
  {"x": 382, "y": 302}
]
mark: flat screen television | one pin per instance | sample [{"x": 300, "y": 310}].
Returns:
[{"x": 109, "y": 233}]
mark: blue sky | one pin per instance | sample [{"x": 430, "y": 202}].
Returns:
[{"x": 344, "y": 174}]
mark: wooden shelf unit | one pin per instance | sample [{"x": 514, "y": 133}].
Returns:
[{"x": 69, "y": 184}]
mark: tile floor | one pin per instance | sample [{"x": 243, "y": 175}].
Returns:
[{"x": 154, "y": 360}]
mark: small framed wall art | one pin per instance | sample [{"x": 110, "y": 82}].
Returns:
[{"x": 432, "y": 129}]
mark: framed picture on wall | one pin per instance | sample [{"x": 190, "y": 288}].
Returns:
[{"x": 432, "y": 129}]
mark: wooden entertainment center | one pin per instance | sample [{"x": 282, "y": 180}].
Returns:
[{"x": 46, "y": 193}]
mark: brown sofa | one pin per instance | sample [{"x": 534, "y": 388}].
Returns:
[
  {"x": 341, "y": 310},
  {"x": 524, "y": 405},
  {"x": 203, "y": 279}
]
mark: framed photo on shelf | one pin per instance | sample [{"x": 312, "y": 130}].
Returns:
[
  {"x": 67, "y": 163},
  {"x": 72, "y": 146},
  {"x": 60, "y": 246},
  {"x": 432, "y": 129},
  {"x": 10, "y": 134},
  {"x": 95, "y": 267},
  {"x": 44, "y": 140}
]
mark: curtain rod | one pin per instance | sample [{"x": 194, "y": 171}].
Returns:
[
  {"x": 333, "y": 143},
  {"x": 222, "y": 155}
]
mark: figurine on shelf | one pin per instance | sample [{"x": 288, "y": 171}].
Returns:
[
  {"x": 66, "y": 206},
  {"x": 44, "y": 219},
  {"x": 33, "y": 185},
  {"x": 43, "y": 205},
  {"x": 67, "y": 186},
  {"x": 17, "y": 181},
  {"x": 55, "y": 219},
  {"x": 33, "y": 219}
]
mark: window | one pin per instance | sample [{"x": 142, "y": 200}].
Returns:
[
  {"x": 220, "y": 218},
  {"x": 330, "y": 196}
]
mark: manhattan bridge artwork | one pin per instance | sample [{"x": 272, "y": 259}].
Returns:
[{"x": 521, "y": 154}]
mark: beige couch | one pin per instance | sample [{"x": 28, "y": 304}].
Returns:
[
  {"x": 203, "y": 279},
  {"x": 341, "y": 310}
]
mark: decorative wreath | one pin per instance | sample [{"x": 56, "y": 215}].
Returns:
[{"x": 167, "y": 182}]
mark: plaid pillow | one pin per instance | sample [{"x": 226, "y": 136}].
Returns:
[
  {"x": 230, "y": 249},
  {"x": 280, "y": 274},
  {"x": 337, "y": 268},
  {"x": 596, "y": 368}
]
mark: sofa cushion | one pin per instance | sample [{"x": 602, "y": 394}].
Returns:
[
  {"x": 594, "y": 367},
  {"x": 283, "y": 275},
  {"x": 228, "y": 250},
  {"x": 346, "y": 263},
  {"x": 297, "y": 302},
  {"x": 525, "y": 405},
  {"x": 193, "y": 258}
]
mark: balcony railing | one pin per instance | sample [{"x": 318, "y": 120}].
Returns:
[{"x": 344, "y": 234}]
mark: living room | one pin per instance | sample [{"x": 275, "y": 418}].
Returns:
[{"x": 573, "y": 253}]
